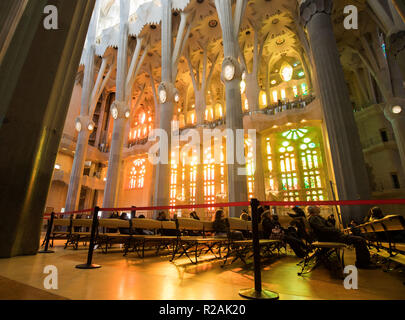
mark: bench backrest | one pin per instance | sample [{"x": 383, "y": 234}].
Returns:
[
  {"x": 61, "y": 222},
  {"x": 208, "y": 226},
  {"x": 82, "y": 223},
  {"x": 237, "y": 224},
  {"x": 113, "y": 223},
  {"x": 190, "y": 224},
  {"x": 250, "y": 227},
  {"x": 146, "y": 224},
  {"x": 393, "y": 223},
  {"x": 168, "y": 225},
  {"x": 368, "y": 228}
]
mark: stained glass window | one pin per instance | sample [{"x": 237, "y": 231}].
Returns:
[
  {"x": 137, "y": 174},
  {"x": 299, "y": 172}
]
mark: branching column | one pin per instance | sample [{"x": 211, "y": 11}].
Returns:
[
  {"x": 167, "y": 93},
  {"x": 121, "y": 108},
  {"x": 84, "y": 123},
  {"x": 232, "y": 75},
  {"x": 348, "y": 162}
]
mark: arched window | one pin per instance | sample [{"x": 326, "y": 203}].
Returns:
[
  {"x": 142, "y": 124},
  {"x": 297, "y": 164}
]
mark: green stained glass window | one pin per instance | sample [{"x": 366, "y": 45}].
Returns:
[
  {"x": 284, "y": 182},
  {"x": 306, "y": 182}
]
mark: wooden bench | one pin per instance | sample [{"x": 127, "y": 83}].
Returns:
[
  {"x": 242, "y": 249},
  {"x": 57, "y": 231},
  {"x": 79, "y": 236},
  {"x": 197, "y": 243},
  {"x": 386, "y": 238}
]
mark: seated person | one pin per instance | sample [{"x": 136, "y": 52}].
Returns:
[
  {"x": 194, "y": 215},
  {"x": 162, "y": 216},
  {"x": 221, "y": 226},
  {"x": 355, "y": 231},
  {"x": 331, "y": 220},
  {"x": 267, "y": 224},
  {"x": 245, "y": 215},
  {"x": 374, "y": 213},
  {"x": 298, "y": 212},
  {"x": 324, "y": 232},
  {"x": 144, "y": 231},
  {"x": 166, "y": 232},
  {"x": 273, "y": 230},
  {"x": 124, "y": 216}
]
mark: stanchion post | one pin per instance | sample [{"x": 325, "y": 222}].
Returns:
[
  {"x": 257, "y": 292},
  {"x": 94, "y": 226},
  {"x": 48, "y": 235}
]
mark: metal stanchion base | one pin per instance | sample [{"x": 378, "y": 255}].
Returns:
[
  {"x": 88, "y": 266},
  {"x": 253, "y": 294},
  {"x": 46, "y": 251}
]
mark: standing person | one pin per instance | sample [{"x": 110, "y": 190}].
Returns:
[{"x": 324, "y": 232}]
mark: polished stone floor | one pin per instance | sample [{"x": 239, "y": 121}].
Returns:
[{"x": 155, "y": 278}]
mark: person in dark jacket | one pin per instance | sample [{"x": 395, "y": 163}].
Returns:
[
  {"x": 267, "y": 224},
  {"x": 331, "y": 220},
  {"x": 353, "y": 227},
  {"x": 374, "y": 213},
  {"x": 124, "y": 216},
  {"x": 220, "y": 223},
  {"x": 324, "y": 232}
]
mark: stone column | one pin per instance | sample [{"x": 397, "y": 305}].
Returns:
[
  {"x": 101, "y": 119},
  {"x": 119, "y": 110},
  {"x": 73, "y": 195},
  {"x": 84, "y": 124},
  {"x": 259, "y": 188},
  {"x": 395, "y": 113},
  {"x": 162, "y": 173},
  {"x": 199, "y": 185},
  {"x": 37, "y": 88},
  {"x": 237, "y": 185},
  {"x": 346, "y": 152},
  {"x": 10, "y": 15}
]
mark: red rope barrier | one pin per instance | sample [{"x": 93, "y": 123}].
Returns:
[
  {"x": 75, "y": 212},
  {"x": 246, "y": 203}
]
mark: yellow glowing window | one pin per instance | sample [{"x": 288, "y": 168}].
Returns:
[
  {"x": 137, "y": 174},
  {"x": 275, "y": 96},
  {"x": 295, "y": 90},
  {"x": 283, "y": 94},
  {"x": 286, "y": 72},
  {"x": 264, "y": 99}
]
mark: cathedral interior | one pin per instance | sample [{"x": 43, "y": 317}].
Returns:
[{"x": 320, "y": 83}]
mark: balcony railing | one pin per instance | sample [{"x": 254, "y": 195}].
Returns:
[{"x": 284, "y": 106}]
